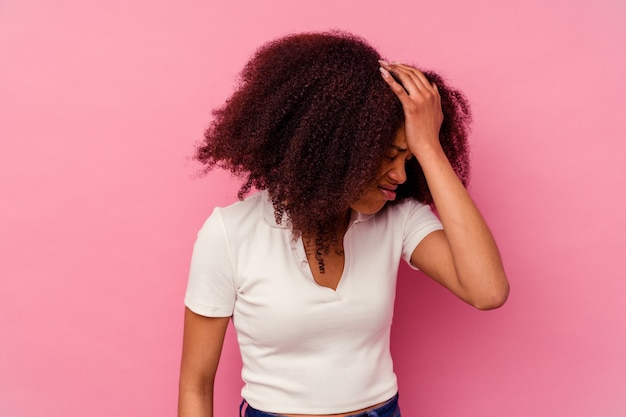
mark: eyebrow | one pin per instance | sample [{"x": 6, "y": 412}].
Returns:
[{"x": 399, "y": 148}]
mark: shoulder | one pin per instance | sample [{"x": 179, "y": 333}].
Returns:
[
  {"x": 251, "y": 206},
  {"x": 399, "y": 218},
  {"x": 408, "y": 208},
  {"x": 415, "y": 219},
  {"x": 241, "y": 218}
]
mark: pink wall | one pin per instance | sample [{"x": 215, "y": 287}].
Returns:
[{"x": 102, "y": 102}]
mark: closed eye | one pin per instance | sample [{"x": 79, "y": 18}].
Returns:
[{"x": 392, "y": 158}]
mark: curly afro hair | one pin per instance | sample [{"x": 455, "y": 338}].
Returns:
[{"x": 310, "y": 122}]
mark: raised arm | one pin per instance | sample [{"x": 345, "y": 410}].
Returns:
[
  {"x": 464, "y": 256},
  {"x": 202, "y": 346}
]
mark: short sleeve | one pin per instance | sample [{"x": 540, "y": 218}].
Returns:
[
  {"x": 419, "y": 223},
  {"x": 211, "y": 288}
]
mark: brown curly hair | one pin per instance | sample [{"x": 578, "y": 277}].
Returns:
[{"x": 310, "y": 122}]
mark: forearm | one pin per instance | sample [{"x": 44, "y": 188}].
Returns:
[
  {"x": 464, "y": 258},
  {"x": 203, "y": 338},
  {"x": 195, "y": 402},
  {"x": 476, "y": 258}
]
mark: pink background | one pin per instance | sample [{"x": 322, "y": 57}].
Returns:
[{"x": 101, "y": 103}]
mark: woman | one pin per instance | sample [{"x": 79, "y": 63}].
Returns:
[{"x": 348, "y": 151}]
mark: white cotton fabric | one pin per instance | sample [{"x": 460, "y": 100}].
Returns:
[{"x": 306, "y": 349}]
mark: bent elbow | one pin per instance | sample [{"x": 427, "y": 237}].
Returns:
[
  {"x": 491, "y": 304},
  {"x": 495, "y": 299}
]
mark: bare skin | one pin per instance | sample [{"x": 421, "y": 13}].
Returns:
[
  {"x": 463, "y": 257},
  {"x": 203, "y": 338}
]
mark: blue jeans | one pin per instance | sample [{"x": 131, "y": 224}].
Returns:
[{"x": 387, "y": 409}]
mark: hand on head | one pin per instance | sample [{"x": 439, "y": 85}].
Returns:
[{"x": 421, "y": 104}]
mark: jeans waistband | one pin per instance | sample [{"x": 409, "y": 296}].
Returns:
[{"x": 388, "y": 409}]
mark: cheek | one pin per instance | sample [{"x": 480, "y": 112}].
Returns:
[{"x": 384, "y": 170}]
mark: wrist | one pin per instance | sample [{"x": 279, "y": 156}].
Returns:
[{"x": 429, "y": 152}]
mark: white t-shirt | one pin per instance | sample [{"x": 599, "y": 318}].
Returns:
[{"x": 306, "y": 349}]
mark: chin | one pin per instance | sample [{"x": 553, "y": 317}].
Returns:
[{"x": 369, "y": 209}]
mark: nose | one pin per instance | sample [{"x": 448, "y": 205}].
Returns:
[{"x": 397, "y": 172}]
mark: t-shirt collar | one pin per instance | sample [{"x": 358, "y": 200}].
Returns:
[{"x": 270, "y": 217}]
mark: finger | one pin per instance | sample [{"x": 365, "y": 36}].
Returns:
[
  {"x": 425, "y": 88},
  {"x": 398, "y": 89},
  {"x": 410, "y": 80},
  {"x": 436, "y": 90},
  {"x": 406, "y": 80},
  {"x": 419, "y": 78}
]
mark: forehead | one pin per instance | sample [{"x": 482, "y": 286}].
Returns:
[{"x": 399, "y": 140}]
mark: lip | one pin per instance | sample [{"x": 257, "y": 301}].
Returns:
[{"x": 389, "y": 194}]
